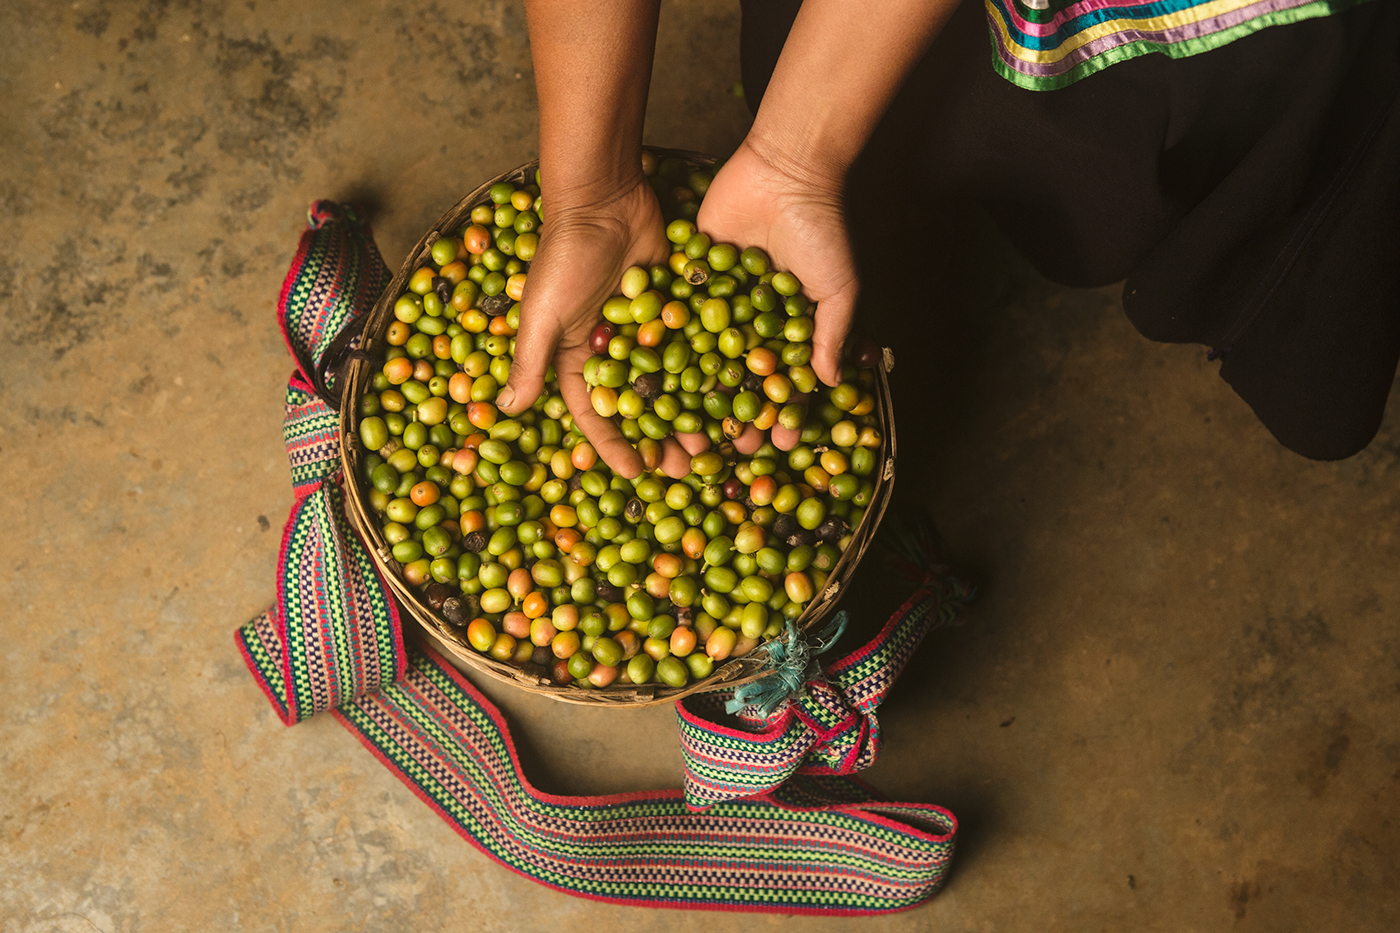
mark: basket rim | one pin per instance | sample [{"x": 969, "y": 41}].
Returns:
[{"x": 729, "y": 673}]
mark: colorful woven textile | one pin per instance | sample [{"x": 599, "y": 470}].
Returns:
[
  {"x": 334, "y": 279},
  {"x": 311, "y": 431},
  {"x": 1047, "y": 44},
  {"x": 806, "y": 839},
  {"x": 334, "y": 633}
]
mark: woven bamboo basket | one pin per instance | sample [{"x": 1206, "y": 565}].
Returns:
[{"x": 353, "y": 380}]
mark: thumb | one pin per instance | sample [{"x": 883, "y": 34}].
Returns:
[
  {"x": 831, "y": 327},
  {"x": 534, "y": 348}
]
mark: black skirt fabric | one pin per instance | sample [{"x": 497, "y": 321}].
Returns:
[{"x": 1249, "y": 196}]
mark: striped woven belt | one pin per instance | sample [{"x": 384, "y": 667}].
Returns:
[{"x": 769, "y": 820}]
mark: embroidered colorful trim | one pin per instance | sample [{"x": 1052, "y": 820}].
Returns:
[
  {"x": 819, "y": 842},
  {"x": 1046, "y": 44}
]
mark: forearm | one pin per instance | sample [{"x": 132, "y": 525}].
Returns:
[
  {"x": 841, "y": 66},
  {"x": 592, "y": 69}
]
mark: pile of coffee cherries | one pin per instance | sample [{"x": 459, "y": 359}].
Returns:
[{"x": 516, "y": 532}]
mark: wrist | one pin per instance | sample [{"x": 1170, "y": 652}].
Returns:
[
  {"x": 592, "y": 69},
  {"x": 570, "y": 184},
  {"x": 839, "y": 69},
  {"x": 800, "y": 153}
]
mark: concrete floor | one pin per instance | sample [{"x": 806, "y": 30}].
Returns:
[{"x": 1173, "y": 706}]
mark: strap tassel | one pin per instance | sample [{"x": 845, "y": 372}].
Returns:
[{"x": 913, "y": 544}]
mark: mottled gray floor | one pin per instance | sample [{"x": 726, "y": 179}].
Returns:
[{"x": 1172, "y": 707}]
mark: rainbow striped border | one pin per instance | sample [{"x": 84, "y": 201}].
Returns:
[{"x": 1042, "y": 50}]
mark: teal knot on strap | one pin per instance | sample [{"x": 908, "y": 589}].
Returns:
[{"x": 791, "y": 663}]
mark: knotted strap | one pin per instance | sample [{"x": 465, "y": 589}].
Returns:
[
  {"x": 830, "y": 728},
  {"x": 332, "y": 285},
  {"x": 817, "y": 843}
]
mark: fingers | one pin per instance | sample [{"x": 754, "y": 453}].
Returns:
[
  {"x": 787, "y": 432},
  {"x": 749, "y": 440},
  {"x": 785, "y": 438},
  {"x": 694, "y": 444},
  {"x": 675, "y": 459},
  {"x": 600, "y": 431},
  {"x": 831, "y": 326}
]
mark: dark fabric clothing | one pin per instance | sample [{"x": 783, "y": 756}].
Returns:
[{"x": 1249, "y": 196}]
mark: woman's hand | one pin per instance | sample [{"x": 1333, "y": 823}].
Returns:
[
  {"x": 585, "y": 245},
  {"x": 794, "y": 212}
]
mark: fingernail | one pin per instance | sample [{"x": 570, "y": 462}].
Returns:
[{"x": 504, "y": 400}]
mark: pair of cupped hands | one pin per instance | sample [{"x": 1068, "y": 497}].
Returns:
[{"x": 787, "y": 209}]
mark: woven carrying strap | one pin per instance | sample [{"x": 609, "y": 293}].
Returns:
[
  {"x": 334, "y": 634},
  {"x": 817, "y": 842}
]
